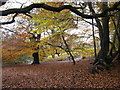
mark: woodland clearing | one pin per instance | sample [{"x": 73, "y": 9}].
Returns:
[{"x": 60, "y": 75}]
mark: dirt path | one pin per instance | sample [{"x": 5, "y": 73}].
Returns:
[{"x": 59, "y": 75}]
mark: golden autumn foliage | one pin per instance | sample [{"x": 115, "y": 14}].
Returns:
[{"x": 14, "y": 47}]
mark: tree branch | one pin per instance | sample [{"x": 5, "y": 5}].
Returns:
[
  {"x": 58, "y": 9},
  {"x": 3, "y": 2},
  {"x": 8, "y": 30},
  {"x": 90, "y": 23},
  {"x": 55, "y": 46},
  {"x": 9, "y": 22}
]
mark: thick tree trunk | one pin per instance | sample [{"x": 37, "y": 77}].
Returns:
[
  {"x": 104, "y": 36},
  {"x": 36, "y": 58},
  {"x": 103, "y": 26}
]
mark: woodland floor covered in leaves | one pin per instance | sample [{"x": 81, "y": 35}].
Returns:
[{"x": 59, "y": 75}]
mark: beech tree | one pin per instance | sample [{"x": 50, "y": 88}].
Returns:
[
  {"x": 14, "y": 48},
  {"x": 56, "y": 23},
  {"x": 106, "y": 54}
]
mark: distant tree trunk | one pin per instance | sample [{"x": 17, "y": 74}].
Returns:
[
  {"x": 36, "y": 54},
  {"x": 53, "y": 56},
  {"x": 36, "y": 58},
  {"x": 68, "y": 50},
  {"x": 72, "y": 57}
]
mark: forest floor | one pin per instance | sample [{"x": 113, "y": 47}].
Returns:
[{"x": 60, "y": 75}]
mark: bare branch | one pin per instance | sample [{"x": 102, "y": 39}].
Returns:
[
  {"x": 27, "y": 10},
  {"x": 90, "y": 23},
  {"x": 55, "y": 45},
  {"x": 9, "y": 22},
  {"x": 13, "y": 18},
  {"x": 58, "y": 9},
  {"x": 28, "y": 15},
  {"x": 8, "y": 30},
  {"x": 2, "y": 2}
]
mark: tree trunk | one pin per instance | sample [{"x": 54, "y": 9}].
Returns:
[
  {"x": 72, "y": 57},
  {"x": 36, "y": 55},
  {"x": 53, "y": 56},
  {"x": 103, "y": 28},
  {"x": 36, "y": 58},
  {"x": 68, "y": 50},
  {"x": 104, "y": 37}
]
